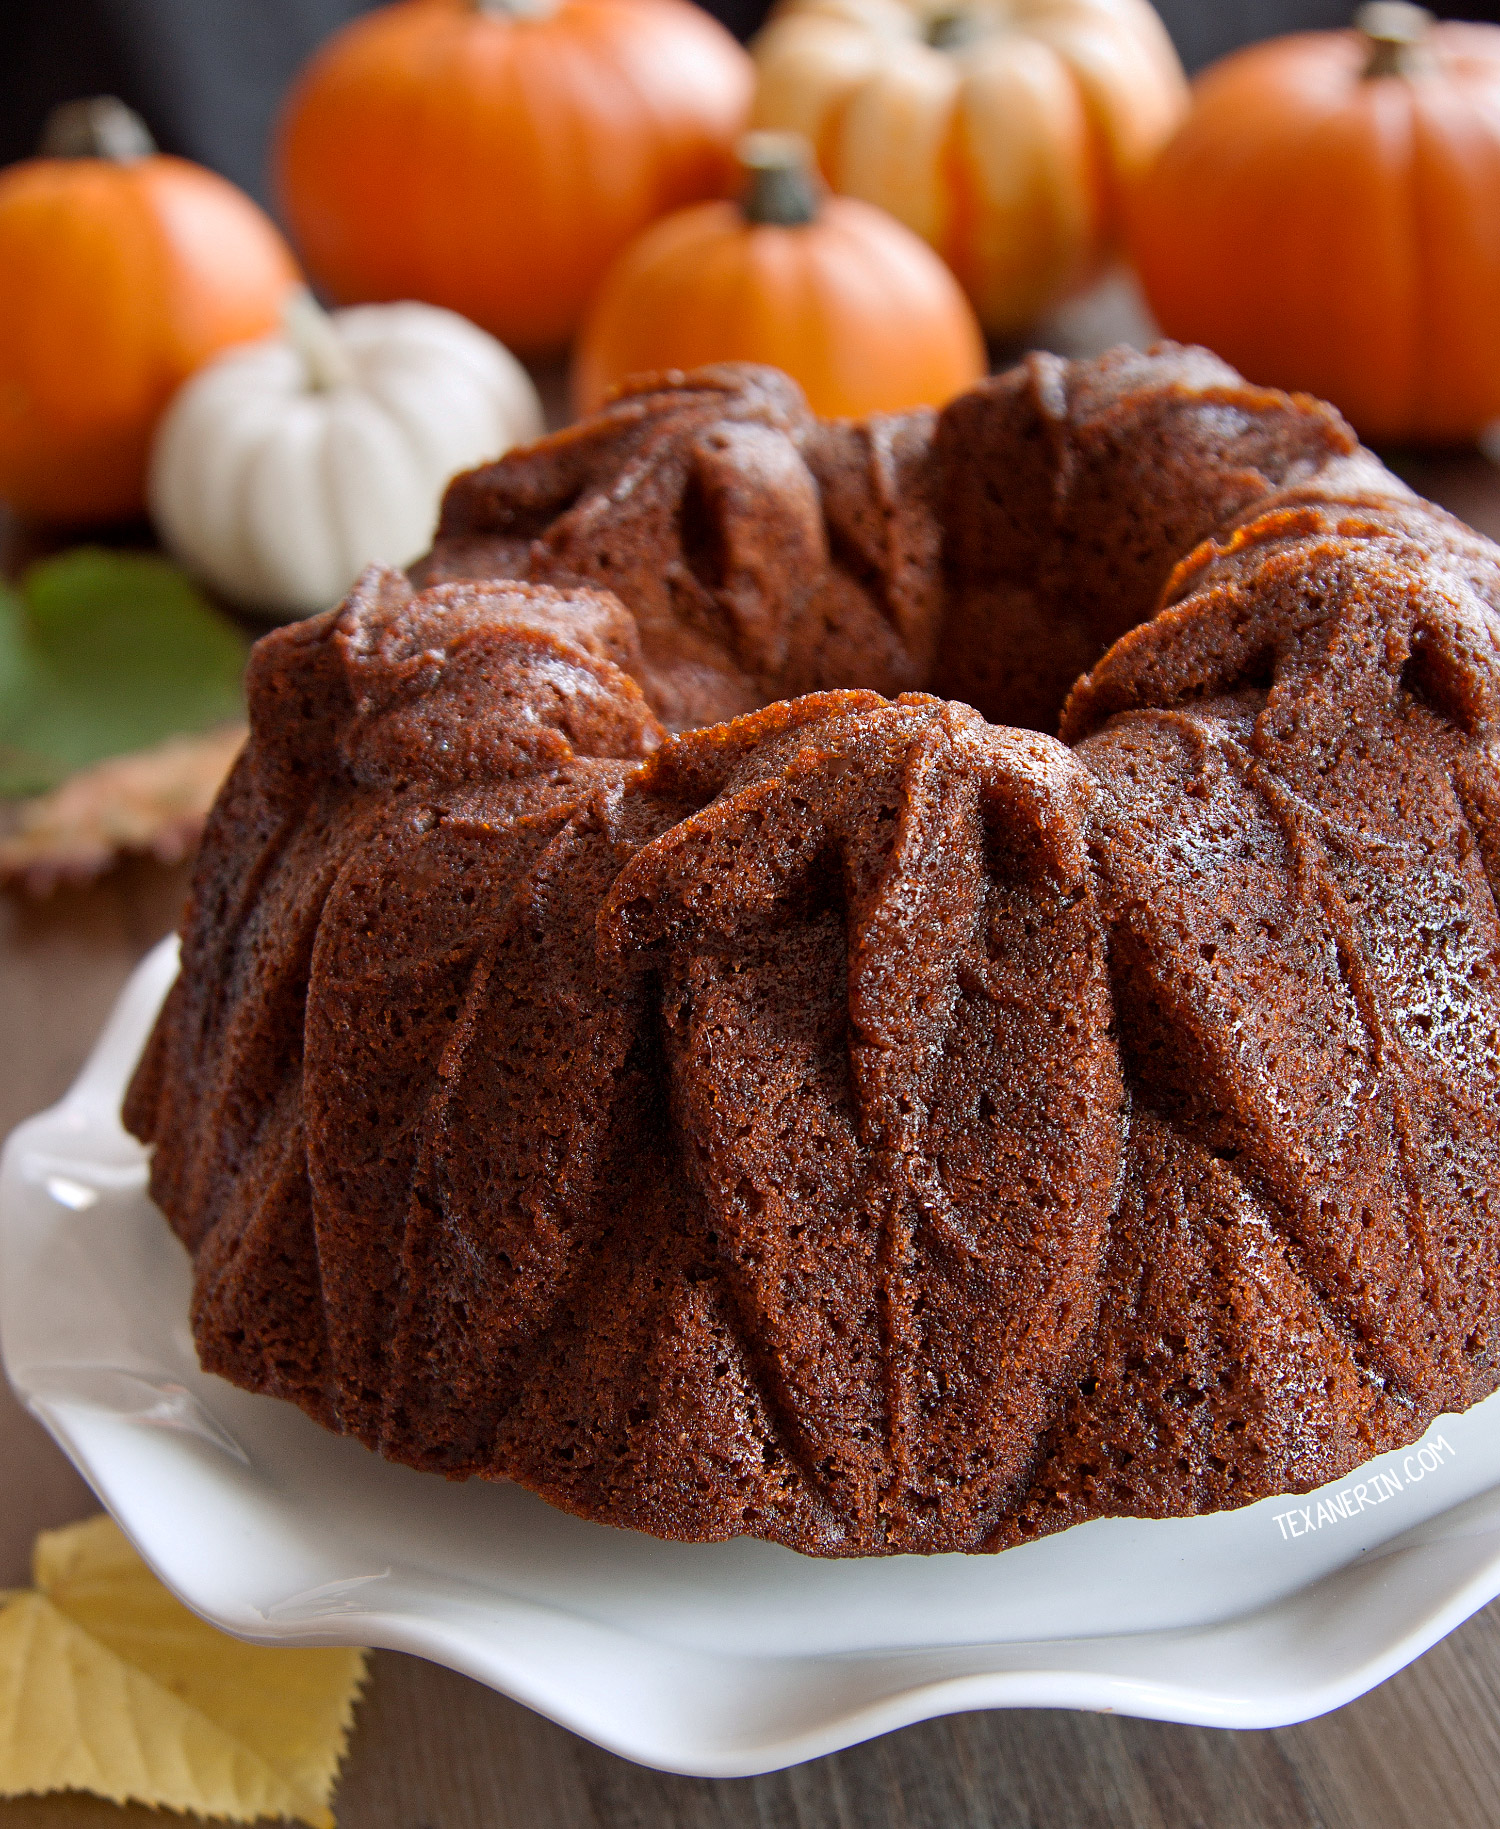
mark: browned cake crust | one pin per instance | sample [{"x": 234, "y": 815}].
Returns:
[
  {"x": 857, "y": 1124},
  {"x": 762, "y": 552}
]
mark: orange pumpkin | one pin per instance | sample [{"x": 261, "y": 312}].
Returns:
[
  {"x": 124, "y": 271},
  {"x": 494, "y": 156},
  {"x": 852, "y": 305},
  {"x": 1002, "y": 131},
  {"x": 1328, "y": 218}
]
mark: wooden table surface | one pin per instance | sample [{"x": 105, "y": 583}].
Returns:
[{"x": 434, "y": 1751}]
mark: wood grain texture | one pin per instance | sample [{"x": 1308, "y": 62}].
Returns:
[
  {"x": 62, "y": 964},
  {"x": 434, "y": 1751}
]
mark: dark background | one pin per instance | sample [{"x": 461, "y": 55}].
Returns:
[{"x": 207, "y": 75}]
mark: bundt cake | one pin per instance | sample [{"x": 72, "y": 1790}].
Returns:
[{"x": 632, "y": 1040}]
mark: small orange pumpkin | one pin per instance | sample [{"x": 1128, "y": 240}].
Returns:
[
  {"x": 494, "y": 156},
  {"x": 125, "y": 270},
  {"x": 1002, "y": 131},
  {"x": 853, "y": 306},
  {"x": 1328, "y": 218}
]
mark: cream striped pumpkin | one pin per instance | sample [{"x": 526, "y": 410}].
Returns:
[{"x": 1002, "y": 131}]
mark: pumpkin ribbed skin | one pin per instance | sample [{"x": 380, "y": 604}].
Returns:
[
  {"x": 1340, "y": 234},
  {"x": 278, "y": 483},
  {"x": 120, "y": 279},
  {"x": 496, "y": 164},
  {"x": 1002, "y": 132},
  {"x": 853, "y": 306}
]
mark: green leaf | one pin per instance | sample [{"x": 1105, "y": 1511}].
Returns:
[{"x": 103, "y": 653}]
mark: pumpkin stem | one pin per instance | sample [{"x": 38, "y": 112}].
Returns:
[
  {"x": 311, "y": 332},
  {"x": 514, "y": 9},
  {"x": 952, "y": 30},
  {"x": 100, "y": 128},
  {"x": 1397, "y": 35},
  {"x": 780, "y": 187}
]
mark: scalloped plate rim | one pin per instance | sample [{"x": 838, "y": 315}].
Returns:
[{"x": 697, "y": 1711}]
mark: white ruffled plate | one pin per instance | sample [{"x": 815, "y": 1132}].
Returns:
[{"x": 721, "y": 1659}]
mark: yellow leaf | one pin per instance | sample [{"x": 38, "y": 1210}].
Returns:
[{"x": 107, "y": 1684}]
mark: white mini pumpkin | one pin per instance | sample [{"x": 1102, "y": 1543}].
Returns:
[{"x": 285, "y": 467}]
